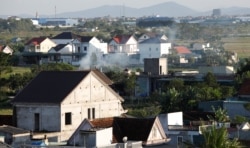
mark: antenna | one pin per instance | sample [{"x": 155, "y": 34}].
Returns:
[{"x": 55, "y": 11}]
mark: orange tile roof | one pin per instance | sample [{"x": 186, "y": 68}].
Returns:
[
  {"x": 182, "y": 50},
  {"x": 102, "y": 122},
  {"x": 121, "y": 39}
]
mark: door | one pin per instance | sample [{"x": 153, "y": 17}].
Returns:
[{"x": 37, "y": 122}]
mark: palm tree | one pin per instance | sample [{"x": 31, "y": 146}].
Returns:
[{"x": 218, "y": 138}]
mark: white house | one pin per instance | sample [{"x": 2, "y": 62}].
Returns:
[
  {"x": 89, "y": 44},
  {"x": 153, "y": 48},
  {"x": 123, "y": 44},
  {"x": 39, "y": 44},
  {"x": 60, "y": 53},
  {"x": 58, "y": 101},
  {"x": 6, "y": 49}
]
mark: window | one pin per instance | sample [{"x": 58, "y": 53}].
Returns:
[
  {"x": 79, "y": 49},
  {"x": 68, "y": 119},
  {"x": 149, "y": 49},
  {"x": 85, "y": 48},
  {"x": 93, "y": 113},
  {"x": 156, "y": 49},
  {"x": 89, "y": 113}
]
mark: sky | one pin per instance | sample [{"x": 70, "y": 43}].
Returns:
[{"x": 49, "y": 7}]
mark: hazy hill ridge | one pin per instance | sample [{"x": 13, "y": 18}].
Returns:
[{"x": 169, "y": 9}]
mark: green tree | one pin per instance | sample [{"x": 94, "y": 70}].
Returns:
[
  {"x": 131, "y": 84},
  {"x": 4, "y": 63},
  {"x": 218, "y": 138},
  {"x": 210, "y": 80},
  {"x": 51, "y": 67}
]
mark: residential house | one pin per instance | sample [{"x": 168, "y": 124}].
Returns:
[
  {"x": 14, "y": 136},
  {"x": 6, "y": 49},
  {"x": 89, "y": 46},
  {"x": 183, "y": 53},
  {"x": 153, "y": 48},
  {"x": 60, "y": 53},
  {"x": 91, "y": 133},
  {"x": 36, "y": 49},
  {"x": 58, "y": 101},
  {"x": 82, "y": 46},
  {"x": 123, "y": 44},
  {"x": 149, "y": 35},
  {"x": 39, "y": 44}
]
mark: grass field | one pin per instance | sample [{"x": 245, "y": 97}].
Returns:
[
  {"x": 6, "y": 111},
  {"x": 240, "y": 45}
]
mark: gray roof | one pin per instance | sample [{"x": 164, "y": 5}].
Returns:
[
  {"x": 66, "y": 35},
  {"x": 153, "y": 41},
  {"x": 59, "y": 47},
  {"x": 13, "y": 130}
]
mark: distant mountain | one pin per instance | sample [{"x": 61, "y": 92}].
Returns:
[{"x": 170, "y": 9}]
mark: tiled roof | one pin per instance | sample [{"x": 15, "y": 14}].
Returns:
[
  {"x": 182, "y": 50},
  {"x": 13, "y": 130},
  {"x": 245, "y": 87},
  {"x": 121, "y": 39},
  {"x": 102, "y": 122},
  {"x": 153, "y": 40},
  {"x": 59, "y": 47},
  {"x": 36, "y": 41},
  {"x": 66, "y": 35}
]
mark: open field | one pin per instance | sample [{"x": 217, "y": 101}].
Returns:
[
  {"x": 16, "y": 70},
  {"x": 240, "y": 45},
  {"x": 5, "y": 111}
]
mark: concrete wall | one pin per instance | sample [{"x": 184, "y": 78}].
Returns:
[
  {"x": 175, "y": 118},
  {"x": 46, "y": 45},
  {"x": 104, "y": 137},
  {"x": 49, "y": 117},
  {"x": 155, "y": 66},
  {"x": 153, "y": 50}
]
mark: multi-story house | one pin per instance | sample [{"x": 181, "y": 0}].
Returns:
[
  {"x": 153, "y": 48},
  {"x": 123, "y": 44},
  {"x": 39, "y": 45}
]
